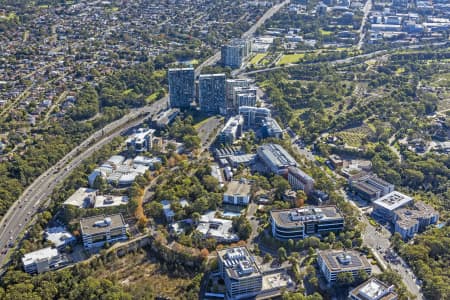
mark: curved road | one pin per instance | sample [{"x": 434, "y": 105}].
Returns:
[{"x": 21, "y": 212}]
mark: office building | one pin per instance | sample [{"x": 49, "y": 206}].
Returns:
[
  {"x": 98, "y": 230},
  {"x": 369, "y": 187},
  {"x": 59, "y": 237},
  {"x": 237, "y": 193},
  {"x": 212, "y": 93},
  {"x": 271, "y": 128},
  {"x": 276, "y": 158},
  {"x": 141, "y": 141},
  {"x": 385, "y": 206},
  {"x": 299, "y": 223},
  {"x": 244, "y": 96},
  {"x": 235, "y": 52},
  {"x": 232, "y": 130},
  {"x": 219, "y": 229},
  {"x": 333, "y": 262},
  {"x": 414, "y": 219},
  {"x": 373, "y": 289},
  {"x": 181, "y": 87},
  {"x": 42, "y": 260},
  {"x": 299, "y": 180},
  {"x": 117, "y": 171},
  {"x": 231, "y": 86},
  {"x": 242, "y": 276},
  {"x": 254, "y": 116}
]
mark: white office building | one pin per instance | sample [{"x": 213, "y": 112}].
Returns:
[
  {"x": 333, "y": 262},
  {"x": 98, "y": 230},
  {"x": 42, "y": 260},
  {"x": 237, "y": 193},
  {"x": 373, "y": 289},
  {"x": 242, "y": 276}
]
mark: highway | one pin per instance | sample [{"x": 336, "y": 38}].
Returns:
[
  {"x": 267, "y": 15},
  {"x": 366, "y": 10},
  {"x": 36, "y": 195},
  {"x": 341, "y": 61},
  {"x": 20, "y": 214}
]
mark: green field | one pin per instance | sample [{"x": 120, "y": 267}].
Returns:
[
  {"x": 257, "y": 58},
  {"x": 290, "y": 58}
]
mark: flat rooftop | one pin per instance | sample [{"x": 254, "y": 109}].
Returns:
[
  {"x": 277, "y": 155},
  {"x": 393, "y": 200},
  {"x": 276, "y": 281},
  {"x": 339, "y": 260},
  {"x": 41, "y": 254},
  {"x": 101, "y": 223},
  {"x": 110, "y": 200},
  {"x": 297, "y": 172},
  {"x": 180, "y": 69},
  {"x": 239, "y": 263},
  {"x": 217, "y": 228},
  {"x": 374, "y": 289},
  {"x": 297, "y": 216},
  {"x": 236, "y": 187},
  {"x": 81, "y": 197}
]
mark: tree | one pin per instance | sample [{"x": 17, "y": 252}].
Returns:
[
  {"x": 267, "y": 258},
  {"x": 331, "y": 237},
  {"x": 242, "y": 226},
  {"x": 155, "y": 209},
  {"x": 344, "y": 279},
  {"x": 280, "y": 185},
  {"x": 282, "y": 255},
  {"x": 362, "y": 276}
]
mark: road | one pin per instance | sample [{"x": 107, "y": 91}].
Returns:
[
  {"x": 267, "y": 15},
  {"x": 37, "y": 193},
  {"x": 21, "y": 212},
  {"x": 366, "y": 10},
  {"x": 377, "y": 239},
  {"x": 341, "y": 61}
]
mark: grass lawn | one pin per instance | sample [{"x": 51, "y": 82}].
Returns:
[
  {"x": 257, "y": 58},
  {"x": 153, "y": 97},
  {"x": 290, "y": 58},
  {"x": 159, "y": 74}
]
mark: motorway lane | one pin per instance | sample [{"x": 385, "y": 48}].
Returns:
[{"x": 21, "y": 211}]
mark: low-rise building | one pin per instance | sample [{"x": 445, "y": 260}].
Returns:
[
  {"x": 237, "y": 193},
  {"x": 411, "y": 220},
  {"x": 141, "y": 141},
  {"x": 254, "y": 116},
  {"x": 90, "y": 198},
  {"x": 276, "y": 158},
  {"x": 333, "y": 262},
  {"x": 219, "y": 229},
  {"x": 373, "y": 289},
  {"x": 369, "y": 187},
  {"x": 299, "y": 223},
  {"x": 169, "y": 214},
  {"x": 98, "y": 230},
  {"x": 385, "y": 206},
  {"x": 42, "y": 260},
  {"x": 59, "y": 237},
  {"x": 299, "y": 180},
  {"x": 271, "y": 128},
  {"x": 242, "y": 276},
  {"x": 232, "y": 130}
]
